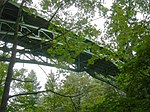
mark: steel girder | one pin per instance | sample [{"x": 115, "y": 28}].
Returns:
[{"x": 31, "y": 49}]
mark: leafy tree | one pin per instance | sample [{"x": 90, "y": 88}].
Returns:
[
  {"x": 3, "y": 70},
  {"x": 90, "y": 92},
  {"x": 50, "y": 101},
  {"x": 24, "y": 84},
  {"x": 127, "y": 45},
  {"x": 130, "y": 35},
  {"x": 73, "y": 28}
]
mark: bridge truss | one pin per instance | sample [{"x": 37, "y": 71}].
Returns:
[{"x": 31, "y": 48}]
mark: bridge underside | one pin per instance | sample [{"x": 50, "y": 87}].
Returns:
[{"x": 31, "y": 48}]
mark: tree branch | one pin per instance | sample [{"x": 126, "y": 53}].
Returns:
[
  {"x": 75, "y": 107},
  {"x": 45, "y": 23},
  {"x": 38, "y": 92},
  {"x": 43, "y": 70},
  {"x": 21, "y": 80}
]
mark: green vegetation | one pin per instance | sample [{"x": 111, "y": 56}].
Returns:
[{"x": 125, "y": 42}]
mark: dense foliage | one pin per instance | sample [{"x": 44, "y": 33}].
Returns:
[{"x": 125, "y": 40}]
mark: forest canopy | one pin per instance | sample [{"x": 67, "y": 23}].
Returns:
[{"x": 125, "y": 42}]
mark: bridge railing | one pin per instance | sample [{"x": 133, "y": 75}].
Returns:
[{"x": 8, "y": 27}]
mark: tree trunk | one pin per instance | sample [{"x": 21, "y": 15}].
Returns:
[{"x": 8, "y": 80}]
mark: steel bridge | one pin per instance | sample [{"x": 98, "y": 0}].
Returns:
[{"x": 32, "y": 50}]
